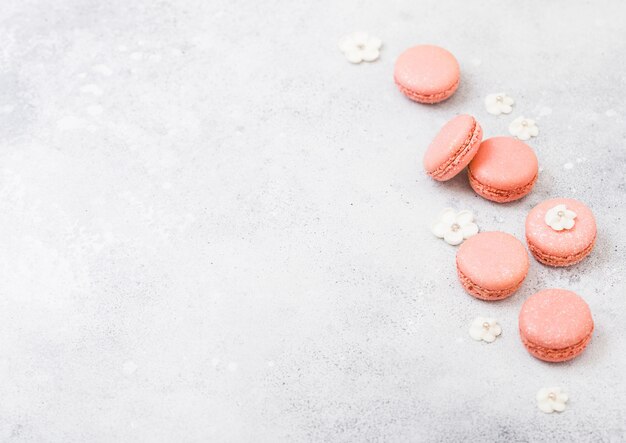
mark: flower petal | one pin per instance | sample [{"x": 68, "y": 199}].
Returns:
[
  {"x": 489, "y": 337},
  {"x": 491, "y": 99},
  {"x": 567, "y": 223},
  {"x": 551, "y": 217},
  {"x": 439, "y": 229},
  {"x": 558, "y": 406},
  {"x": 346, "y": 44},
  {"x": 464, "y": 217},
  {"x": 506, "y": 109},
  {"x": 476, "y": 332},
  {"x": 543, "y": 393},
  {"x": 557, "y": 226},
  {"x": 570, "y": 214},
  {"x": 533, "y": 130},
  {"x": 448, "y": 215},
  {"x": 523, "y": 135},
  {"x": 493, "y": 109},
  {"x": 507, "y": 100},
  {"x": 374, "y": 43},
  {"x": 370, "y": 54},
  {"x": 545, "y": 406},
  {"x": 360, "y": 38},
  {"x": 469, "y": 230},
  {"x": 354, "y": 56},
  {"x": 562, "y": 397},
  {"x": 516, "y": 126},
  {"x": 495, "y": 329},
  {"x": 453, "y": 238}
]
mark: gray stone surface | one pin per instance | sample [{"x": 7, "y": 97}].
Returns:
[{"x": 214, "y": 228}]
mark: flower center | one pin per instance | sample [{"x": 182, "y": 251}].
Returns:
[
  {"x": 524, "y": 123},
  {"x": 499, "y": 98},
  {"x": 486, "y": 325},
  {"x": 560, "y": 213},
  {"x": 361, "y": 46},
  {"x": 552, "y": 396},
  {"x": 455, "y": 227}
]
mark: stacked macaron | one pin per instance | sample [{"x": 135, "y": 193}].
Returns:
[{"x": 554, "y": 324}]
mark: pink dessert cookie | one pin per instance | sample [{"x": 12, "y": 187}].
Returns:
[
  {"x": 503, "y": 170},
  {"x": 560, "y": 231},
  {"x": 492, "y": 265},
  {"x": 427, "y": 73},
  {"x": 453, "y": 148},
  {"x": 555, "y": 325}
]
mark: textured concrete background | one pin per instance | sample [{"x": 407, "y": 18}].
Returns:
[{"x": 214, "y": 228}]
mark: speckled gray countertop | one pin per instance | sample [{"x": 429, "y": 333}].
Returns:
[{"x": 215, "y": 228}]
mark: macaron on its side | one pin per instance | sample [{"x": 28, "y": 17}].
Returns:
[
  {"x": 555, "y": 325},
  {"x": 565, "y": 246},
  {"x": 427, "y": 74},
  {"x": 453, "y": 148},
  {"x": 492, "y": 265},
  {"x": 503, "y": 170}
]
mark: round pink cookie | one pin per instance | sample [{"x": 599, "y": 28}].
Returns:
[
  {"x": 555, "y": 325},
  {"x": 492, "y": 265},
  {"x": 562, "y": 247},
  {"x": 427, "y": 73},
  {"x": 503, "y": 170},
  {"x": 453, "y": 148}
]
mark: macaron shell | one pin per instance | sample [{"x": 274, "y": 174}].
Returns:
[
  {"x": 561, "y": 248},
  {"x": 495, "y": 261},
  {"x": 555, "y": 320},
  {"x": 427, "y": 73},
  {"x": 504, "y": 169},
  {"x": 453, "y": 148}
]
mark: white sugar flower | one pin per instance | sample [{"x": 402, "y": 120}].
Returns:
[
  {"x": 454, "y": 227},
  {"x": 559, "y": 218},
  {"x": 486, "y": 329},
  {"x": 551, "y": 399},
  {"x": 523, "y": 128},
  {"x": 359, "y": 47},
  {"x": 500, "y": 103}
]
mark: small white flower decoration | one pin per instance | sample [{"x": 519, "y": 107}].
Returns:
[
  {"x": 359, "y": 47},
  {"x": 500, "y": 103},
  {"x": 559, "y": 218},
  {"x": 486, "y": 329},
  {"x": 523, "y": 128},
  {"x": 551, "y": 399},
  {"x": 454, "y": 227}
]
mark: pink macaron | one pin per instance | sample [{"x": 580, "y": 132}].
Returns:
[
  {"x": 427, "y": 73},
  {"x": 560, "y": 231},
  {"x": 503, "y": 170},
  {"x": 492, "y": 265},
  {"x": 555, "y": 325},
  {"x": 453, "y": 148}
]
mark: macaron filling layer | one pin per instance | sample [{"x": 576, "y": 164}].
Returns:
[
  {"x": 427, "y": 98},
  {"x": 500, "y": 195},
  {"x": 555, "y": 260},
  {"x": 484, "y": 293},
  {"x": 557, "y": 355}
]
